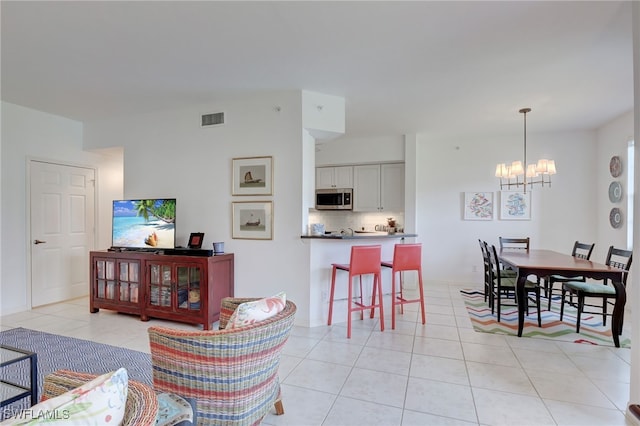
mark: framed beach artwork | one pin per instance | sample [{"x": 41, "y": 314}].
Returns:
[
  {"x": 252, "y": 220},
  {"x": 252, "y": 176},
  {"x": 478, "y": 206},
  {"x": 515, "y": 205}
]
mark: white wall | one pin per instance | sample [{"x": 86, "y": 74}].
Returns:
[
  {"x": 346, "y": 150},
  {"x": 634, "y": 395},
  {"x": 445, "y": 169},
  {"x": 323, "y": 116},
  {"x": 613, "y": 139},
  {"x": 109, "y": 187},
  {"x": 167, "y": 154},
  {"x": 1, "y": 242},
  {"x": 29, "y": 134}
]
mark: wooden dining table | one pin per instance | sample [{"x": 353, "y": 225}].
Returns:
[{"x": 543, "y": 263}]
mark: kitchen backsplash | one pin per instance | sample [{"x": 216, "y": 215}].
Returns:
[{"x": 338, "y": 220}]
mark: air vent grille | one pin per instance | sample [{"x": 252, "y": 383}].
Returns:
[{"x": 215, "y": 119}]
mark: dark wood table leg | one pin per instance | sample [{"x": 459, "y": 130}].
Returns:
[
  {"x": 34, "y": 379},
  {"x": 618, "y": 312},
  {"x": 521, "y": 299}
]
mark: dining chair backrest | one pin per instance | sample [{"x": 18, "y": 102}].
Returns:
[
  {"x": 621, "y": 259},
  {"x": 485, "y": 254},
  {"x": 486, "y": 271},
  {"x": 483, "y": 249},
  {"x": 494, "y": 263},
  {"x": 514, "y": 243},
  {"x": 582, "y": 250}
]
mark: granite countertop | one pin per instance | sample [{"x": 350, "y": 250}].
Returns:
[{"x": 359, "y": 236}]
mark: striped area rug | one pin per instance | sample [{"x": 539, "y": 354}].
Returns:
[
  {"x": 60, "y": 352},
  {"x": 591, "y": 329}
]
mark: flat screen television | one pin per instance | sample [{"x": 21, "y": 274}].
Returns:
[{"x": 144, "y": 224}]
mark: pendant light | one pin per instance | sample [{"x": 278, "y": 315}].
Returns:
[{"x": 535, "y": 173}]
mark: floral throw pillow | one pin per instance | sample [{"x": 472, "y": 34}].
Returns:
[
  {"x": 248, "y": 313},
  {"x": 101, "y": 401}
]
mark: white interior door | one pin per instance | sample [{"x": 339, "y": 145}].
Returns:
[{"x": 62, "y": 231}]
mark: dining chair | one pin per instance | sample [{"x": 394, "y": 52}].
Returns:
[
  {"x": 365, "y": 260},
  {"x": 488, "y": 284},
  {"x": 600, "y": 289},
  {"x": 504, "y": 287},
  {"x": 406, "y": 257},
  {"x": 581, "y": 251}
]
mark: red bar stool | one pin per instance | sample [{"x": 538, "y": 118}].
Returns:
[
  {"x": 406, "y": 257},
  {"x": 365, "y": 260}
]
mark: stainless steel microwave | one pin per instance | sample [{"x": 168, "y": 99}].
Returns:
[{"x": 334, "y": 199}]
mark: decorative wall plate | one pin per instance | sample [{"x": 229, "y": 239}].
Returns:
[
  {"x": 615, "y": 166},
  {"x": 615, "y": 192},
  {"x": 615, "y": 218}
]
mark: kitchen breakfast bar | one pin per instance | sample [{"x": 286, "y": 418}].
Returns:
[{"x": 325, "y": 249}]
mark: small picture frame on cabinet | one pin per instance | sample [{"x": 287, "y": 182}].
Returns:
[{"x": 195, "y": 240}]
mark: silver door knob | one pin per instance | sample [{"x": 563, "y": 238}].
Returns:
[{"x": 39, "y": 242}]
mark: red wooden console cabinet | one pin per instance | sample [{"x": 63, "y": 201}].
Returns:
[{"x": 174, "y": 287}]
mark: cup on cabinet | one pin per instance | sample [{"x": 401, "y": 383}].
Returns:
[{"x": 218, "y": 248}]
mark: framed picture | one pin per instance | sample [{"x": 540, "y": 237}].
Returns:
[
  {"x": 252, "y": 220},
  {"x": 195, "y": 240},
  {"x": 515, "y": 205},
  {"x": 478, "y": 206},
  {"x": 252, "y": 176}
]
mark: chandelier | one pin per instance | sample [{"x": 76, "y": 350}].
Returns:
[{"x": 536, "y": 173}]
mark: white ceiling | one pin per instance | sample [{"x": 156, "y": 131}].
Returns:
[{"x": 403, "y": 67}]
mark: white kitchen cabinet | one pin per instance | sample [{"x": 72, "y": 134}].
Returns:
[
  {"x": 334, "y": 177},
  {"x": 366, "y": 188},
  {"x": 392, "y": 187},
  {"x": 378, "y": 187}
]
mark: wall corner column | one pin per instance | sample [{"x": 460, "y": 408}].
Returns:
[{"x": 634, "y": 302}]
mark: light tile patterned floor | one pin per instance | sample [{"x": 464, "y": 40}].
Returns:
[{"x": 442, "y": 373}]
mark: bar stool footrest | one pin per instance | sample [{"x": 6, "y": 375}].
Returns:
[
  {"x": 402, "y": 300},
  {"x": 362, "y": 307}
]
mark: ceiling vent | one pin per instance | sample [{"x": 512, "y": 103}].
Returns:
[{"x": 211, "y": 120}]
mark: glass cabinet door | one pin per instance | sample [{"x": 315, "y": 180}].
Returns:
[
  {"x": 129, "y": 280},
  {"x": 105, "y": 270},
  {"x": 189, "y": 287},
  {"x": 175, "y": 286},
  {"x": 160, "y": 285}
]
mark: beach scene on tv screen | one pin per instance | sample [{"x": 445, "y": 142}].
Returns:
[{"x": 144, "y": 223}]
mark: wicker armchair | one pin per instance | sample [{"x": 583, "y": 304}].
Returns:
[{"x": 232, "y": 374}]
